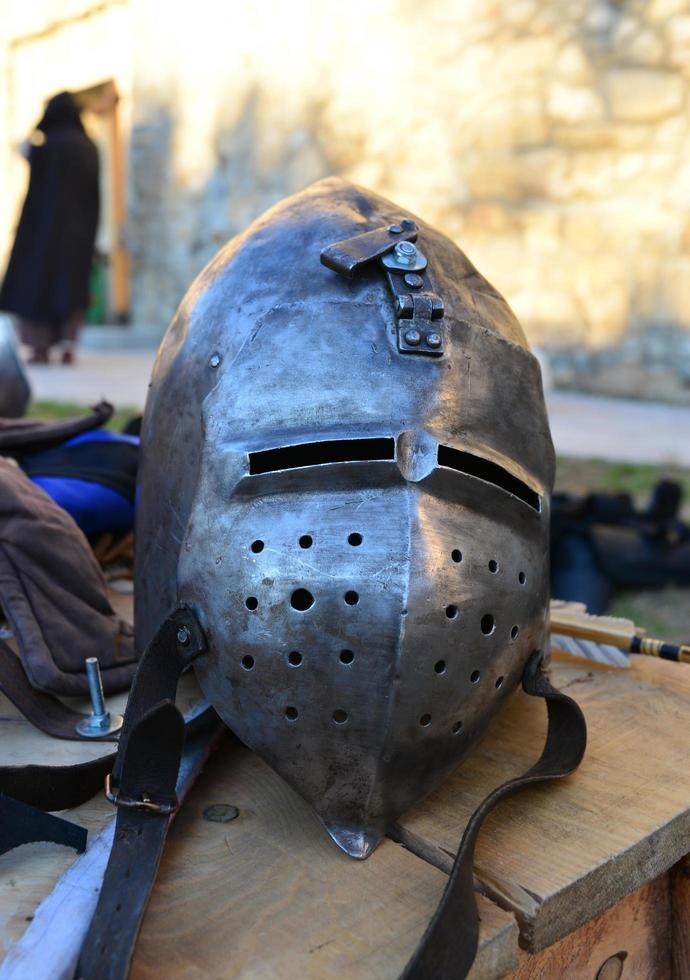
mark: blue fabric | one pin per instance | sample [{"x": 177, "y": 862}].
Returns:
[
  {"x": 94, "y": 508},
  {"x": 102, "y": 435}
]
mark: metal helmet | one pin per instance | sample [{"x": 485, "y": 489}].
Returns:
[
  {"x": 346, "y": 472},
  {"x": 14, "y": 386}
]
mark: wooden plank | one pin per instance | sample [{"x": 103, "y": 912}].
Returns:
[
  {"x": 559, "y": 855},
  {"x": 633, "y": 937},
  {"x": 269, "y": 895}
]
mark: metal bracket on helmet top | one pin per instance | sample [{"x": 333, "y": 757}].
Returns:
[{"x": 419, "y": 310}]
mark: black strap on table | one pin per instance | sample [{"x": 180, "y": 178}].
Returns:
[
  {"x": 144, "y": 779},
  {"x": 23, "y": 824},
  {"x": 143, "y": 787},
  {"x": 150, "y": 763},
  {"x": 449, "y": 945}
]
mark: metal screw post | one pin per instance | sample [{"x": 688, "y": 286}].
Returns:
[{"x": 101, "y": 722}]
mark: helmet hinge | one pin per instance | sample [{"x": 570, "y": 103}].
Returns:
[
  {"x": 418, "y": 310},
  {"x": 419, "y": 314}
]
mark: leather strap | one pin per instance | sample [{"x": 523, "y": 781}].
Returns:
[
  {"x": 150, "y": 763},
  {"x": 56, "y": 787},
  {"x": 19, "y": 436},
  {"x": 22, "y": 824},
  {"x": 43, "y": 710},
  {"x": 147, "y": 763},
  {"x": 449, "y": 945}
]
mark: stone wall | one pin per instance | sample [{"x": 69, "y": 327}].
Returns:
[{"x": 549, "y": 138}]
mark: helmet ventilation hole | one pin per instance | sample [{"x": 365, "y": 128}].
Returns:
[
  {"x": 425, "y": 721},
  {"x": 488, "y": 625},
  {"x": 352, "y": 597},
  {"x": 522, "y": 578},
  {"x": 475, "y": 676},
  {"x": 301, "y": 599},
  {"x": 257, "y": 546},
  {"x": 306, "y": 541},
  {"x": 340, "y": 716},
  {"x": 355, "y": 539},
  {"x": 346, "y": 656},
  {"x": 499, "y": 682},
  {"x": 493, "y": 566},
  {"x": 247, "y": 662},
  {"x": 451, "y": 612},
  {"x": 294, "y": 658},
  {"x": 456, "y": 555},
  {"x": 440, "y": 666},
  {"x": 456, "y": 727},
  {"x": 514, "y": 632},
  {"x": 291, "y": 713},
  {"x": 251, "y": 602}
]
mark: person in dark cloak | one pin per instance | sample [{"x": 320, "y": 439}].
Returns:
[{"x": 47, "y": 280}]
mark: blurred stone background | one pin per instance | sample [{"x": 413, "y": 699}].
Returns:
[{"x": 548, "y": 138}]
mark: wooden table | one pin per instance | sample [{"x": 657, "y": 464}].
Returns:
[{"x": 581, "y": 879}]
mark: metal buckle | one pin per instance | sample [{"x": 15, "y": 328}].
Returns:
[{"x": 145, "y": 803}]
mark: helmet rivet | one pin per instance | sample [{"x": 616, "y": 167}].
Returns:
[
  {"x": 412, "y": 280},
  {"x": 395, "y": 229},
  {"x": 433, "y": 340},
  {"x": 406, "y": 253},
  {"x": 183, "y": 636},
  {"x": 215, "y": 361},
  {"x": 413, "y": 338}
]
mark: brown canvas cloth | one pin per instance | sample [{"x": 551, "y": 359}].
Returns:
[{"x": 54, "y": 594}]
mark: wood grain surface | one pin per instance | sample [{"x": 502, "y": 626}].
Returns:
[{"x": 269, "y": 895}]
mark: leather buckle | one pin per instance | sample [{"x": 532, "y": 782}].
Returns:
[{"x": 145, "y": 803}]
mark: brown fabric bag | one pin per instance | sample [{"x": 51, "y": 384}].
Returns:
[{"x": 54, "y": 594}]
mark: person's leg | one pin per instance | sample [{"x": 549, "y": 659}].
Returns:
[
  {"x": 38, "y": 336},
  {"x": 69, "y": 334}
]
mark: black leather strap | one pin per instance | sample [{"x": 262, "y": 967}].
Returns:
[
  {"x": 22, "y": 824},
  {"x": 449, "y": 945},
  {"x": 149, "y": 767},
  {"x": 146, "y": 767},
  {"x": 56, "y": 787}
]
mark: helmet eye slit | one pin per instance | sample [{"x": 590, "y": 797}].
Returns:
[
  {"x": 484, "y": 469},
  {"x": 321, "y": 453}
]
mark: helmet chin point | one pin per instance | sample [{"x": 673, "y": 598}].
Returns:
[{"x": 356, "y": 843}]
